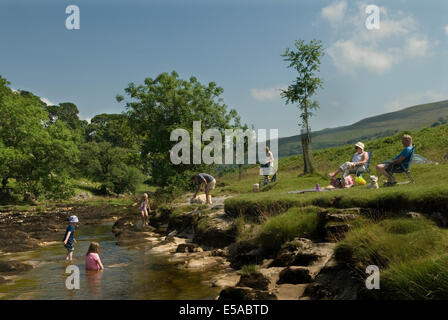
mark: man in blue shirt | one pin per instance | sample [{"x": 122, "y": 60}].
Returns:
[{"x": 397, "y": 164}]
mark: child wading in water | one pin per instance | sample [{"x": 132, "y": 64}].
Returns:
[
  {"x": 69, "y": 238},
  {"x": 144, "y": 209},
  {"x": 93, "y": 261}
]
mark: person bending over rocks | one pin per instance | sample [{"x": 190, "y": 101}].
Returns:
[{"x": 209, "y": 183}]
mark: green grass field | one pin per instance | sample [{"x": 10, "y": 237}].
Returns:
[{"x": 411, "y": 253}]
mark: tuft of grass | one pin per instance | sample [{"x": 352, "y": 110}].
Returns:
[
  {"x": 411, "y": 255},
  {"x": 245, "y": 229},
  {"x": 296, "y": 222},
  {"x": 424, "y": 279},
  {"x": 188, "y": 208},
  {"x": 249, "y": 269},
  {"x": 391, "y": 241}
]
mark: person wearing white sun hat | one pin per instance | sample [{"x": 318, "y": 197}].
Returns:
[
  {"x": 69, "y": 238},
  {"x": 359, "y": 160}
]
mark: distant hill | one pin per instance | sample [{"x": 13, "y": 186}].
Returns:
[{"x": 412, "y": 118}]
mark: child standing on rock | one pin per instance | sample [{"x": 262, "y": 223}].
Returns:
[
  {"x": 144, "y": 209},
  {"x": 69, "y": 238}
]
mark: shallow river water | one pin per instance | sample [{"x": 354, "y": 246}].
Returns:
[{"x": 130, "y": 273}]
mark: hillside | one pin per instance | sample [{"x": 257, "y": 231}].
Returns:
[{"x": 412, "y": 118}]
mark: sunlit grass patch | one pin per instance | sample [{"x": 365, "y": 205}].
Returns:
[{"x": 296, "y": 222}]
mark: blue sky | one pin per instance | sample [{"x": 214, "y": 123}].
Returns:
[{"x": 236, "y": 44}]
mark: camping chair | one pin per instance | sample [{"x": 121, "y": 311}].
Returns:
[
  {"x": 359, "y": 170},
  {"x": 402, "y": 168}
]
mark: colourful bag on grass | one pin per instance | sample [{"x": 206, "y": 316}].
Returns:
[{"x": 359, "y": 181}]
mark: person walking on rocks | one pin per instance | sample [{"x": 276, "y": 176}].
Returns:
[
  {"x": 209, "y": 183},
  {"x": 69, "y": 238}
]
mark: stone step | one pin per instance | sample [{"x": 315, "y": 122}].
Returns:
[
  {"x": 336, "y": 232},
  {"x": 290, "y": 291},
  {"x": 296, "y": 275}
]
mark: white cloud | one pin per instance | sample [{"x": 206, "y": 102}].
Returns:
[
  {"x": 266, "y": 94},
  {"x": 348, "y": 55},
  {"x": 335, "y": 103},
  {"x": 415, "y": 99},
  {"x": 377, "y": 51},
  {"x": 446, "y": 29},
  {"x": 335, "y": 12},
  {"x": 47, "y": 101},
  {"x": 416, "y": 47}
]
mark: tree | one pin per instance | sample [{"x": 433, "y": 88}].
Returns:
[
  {"x": 67, "y": 113},
  {"x": 306, "y": 61},
  {"x": 36, "y": 155},
  {"x": 112, "y": 128},
  {"x": 164, "y": 104},
  {"x": 109, "y": 165}
]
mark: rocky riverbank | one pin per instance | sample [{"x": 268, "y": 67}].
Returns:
[{"x": 200, "y": 238}]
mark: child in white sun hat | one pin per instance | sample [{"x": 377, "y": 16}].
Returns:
[{"x": 69, "y": 238}]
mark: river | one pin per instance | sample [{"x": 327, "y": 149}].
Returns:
[{"x": 130, "y": 273}]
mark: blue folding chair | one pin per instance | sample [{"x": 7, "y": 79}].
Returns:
[{"x": 401, "y": 168}]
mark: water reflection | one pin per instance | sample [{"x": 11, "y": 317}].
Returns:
[
  {"x": 94, "y": 283},
  {"x": 130, "y": 273}
]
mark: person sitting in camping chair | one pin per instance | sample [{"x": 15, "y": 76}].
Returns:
[
  {"x": 399, "y": 164},
  {"x": 358, "y": 162}
]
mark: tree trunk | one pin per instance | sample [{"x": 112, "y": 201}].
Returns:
[
  {"x": 240, "y": 171},
  {"x": 307, "y": 154},
  {"x": 306, "y": 142},
  {"x": 4, "y": 183}
]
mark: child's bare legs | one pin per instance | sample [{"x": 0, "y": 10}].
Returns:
[
  {"x": 144, "y": 217},
  {"x": 69, "y": 256}
]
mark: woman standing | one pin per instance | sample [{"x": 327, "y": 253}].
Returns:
[{"x": 268, "y": 166}]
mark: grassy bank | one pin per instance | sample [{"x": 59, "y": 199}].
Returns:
[
  {"x": 411, "y": 253},
  {"x": 429, "y": 193}
]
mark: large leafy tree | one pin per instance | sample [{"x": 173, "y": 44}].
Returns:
[
  {"x": 111, "y": 166},
  {"x": 32, "y": 152},
  {"x": 112, "y": 128},
  {"x": 166, "y": 103},
  {"x": 305, "y": 59}
]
